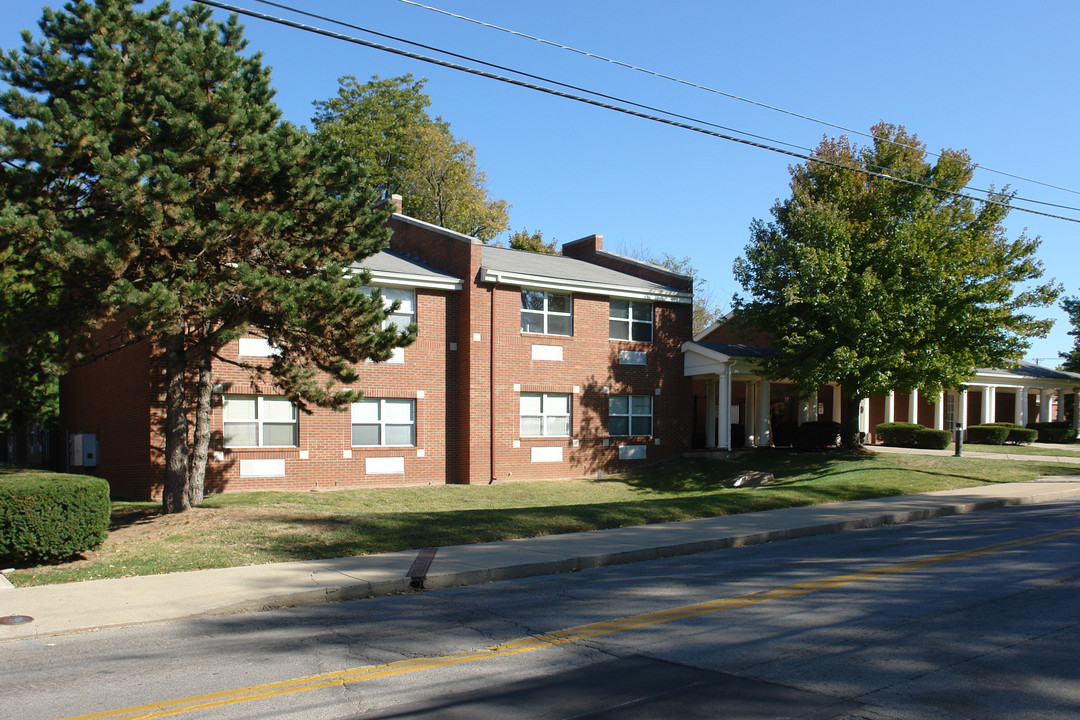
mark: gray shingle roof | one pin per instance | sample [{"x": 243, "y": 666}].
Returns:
[
  {"x": 542, "y": 265},
  {"x": 391, "y": 262},
  {"x": 1037, "y": 372}
]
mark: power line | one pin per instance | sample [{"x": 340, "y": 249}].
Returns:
[
  {"x": 650, "y": 108},
  {"x": 708, "y": 89},
  {"x": 522, "y": 73},
  {"x": 604, "y": 105}
]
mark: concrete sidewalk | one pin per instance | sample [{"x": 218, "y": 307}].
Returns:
[
  {"x": 1068, "y": 453},
  {"x": 85, "y": 606}
]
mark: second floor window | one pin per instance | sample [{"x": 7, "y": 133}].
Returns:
[
  {"x": 630, "y": 320},
  {"x": 547, "y": 313}
]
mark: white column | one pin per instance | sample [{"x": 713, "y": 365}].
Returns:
[
  {"x": 1060, "y": 404},
  {"x": 1021, "y": 405},
  {"x": 913, "y": 406},
  {"x": 1044, "y": 406},
  {"x": 764, "y": 409},
  {"x": 724, "y": 410},
  {"x": 939, "y": 411},
  {"x": 836, "y": 403},
  {"x": 710, "y": 415},
  {"x": 864, "y": 416},
  {"x": 989, "y": 397},
  {"x": 961, "y": 415},
  {"x": 890, "y": 407}
]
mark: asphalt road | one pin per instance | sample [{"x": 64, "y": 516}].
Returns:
[{"x": 974, "y": 616}]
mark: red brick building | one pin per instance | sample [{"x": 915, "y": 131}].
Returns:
[{"x": 525, "y": 366}]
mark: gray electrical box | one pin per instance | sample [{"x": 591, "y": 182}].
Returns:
[{"x": 84, "y": 450}]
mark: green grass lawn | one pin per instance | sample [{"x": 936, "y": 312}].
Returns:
[{"x": 253, "y": 528}]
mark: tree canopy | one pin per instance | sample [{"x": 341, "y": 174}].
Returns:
[
  {"x": 878, "y": 273},
  {"x": 150, "y": 191},
  {"x": 532, "y": 242},
  {"x": 1071, "y": 305},
  {"x": 384, "y": 125}
]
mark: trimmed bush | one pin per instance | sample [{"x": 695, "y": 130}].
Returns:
[
  {"x": 932, "y": 439},
  {"x": 1054, "y": 432},
  {"x": 910, "y": 435},
  {"x": 1018, "y": 434},
  {"x": 47, "y": 517},
  {"x": 817, "y": 434},
  {"x": 987, "y": 434},
  {"x": 897, "y": 434}
]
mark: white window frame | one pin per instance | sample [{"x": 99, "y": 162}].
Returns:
[
  {"x": 382, "y": 422},
  {"x": 629, "y": 320},
  {"x": 546, "y": 313},
  {"x": 630, "y": 415},
  {"x": 545, "y": 414},
  {"x": 261, "y": 420}
]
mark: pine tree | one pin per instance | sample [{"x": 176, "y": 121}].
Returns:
[{"x": 151, "y": 191}]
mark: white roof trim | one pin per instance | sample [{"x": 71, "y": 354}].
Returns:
[
  {"x": 384, "y": 278},
  {"x": 549, "y": 283},
  {"x": 704, "y": 333}
]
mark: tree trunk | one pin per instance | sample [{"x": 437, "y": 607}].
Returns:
[
  {"x": 174, "y": 497},
  {"x": 196, "y": 481},
  {"x": 850, "y": 435}
]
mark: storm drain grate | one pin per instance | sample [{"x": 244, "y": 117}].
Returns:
[
  {"x": 15, "y": 619},
  {"x": 418, "y": 570}
]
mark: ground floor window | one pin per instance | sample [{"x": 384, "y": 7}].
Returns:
[
  {"x": 384, "y": 421},
  {"x": 545, "y": 415},
  {"x": 259, "y": 421},
  {"x": 630, "y": 415}
]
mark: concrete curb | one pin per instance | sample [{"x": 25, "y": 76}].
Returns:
[
  {"x": 99, "y": 604},
  {"x": 446, "y": 580}
]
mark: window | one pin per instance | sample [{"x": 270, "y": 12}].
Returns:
[
  {"x": 384, "y": 421},
  {"x": 630, "y": 320},
  {"x": 630, "y": 415},
  {"x": 405, "y": 315},
  {"x": 546, "y": 313},
  {"x": 401, "y": 318},
  {"x": 545, "y": 415},
  {"x": 259, "y": 421}
]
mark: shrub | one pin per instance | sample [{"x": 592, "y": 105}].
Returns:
[
  {"x": 1054, "y": 432},
  {"x": 987, "y": 434},
  {"x": 897, "y": 434},
  {"x": 910, "y": 435},
  {"x": 817, "y": 434},
  {"x": 932, "y": 439},
  {"x": 1018, "y": 434},
  {"x": 50, "y": 516}
]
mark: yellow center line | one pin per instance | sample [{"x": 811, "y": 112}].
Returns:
[{"x": 235, "y": 696}]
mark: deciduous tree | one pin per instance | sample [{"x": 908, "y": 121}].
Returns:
[
  {"x": 384, "y": 126},
  {"x": 151, "y": 191},
  {"x": 532, "y": 242},
  {"x": 879, "y": 274}
]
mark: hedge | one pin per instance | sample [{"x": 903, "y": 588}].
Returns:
[
  {"x": 988, "y": 434},
  {"x": 1018, "y": 434},
  {"x": 817, "y": 434},
  {"x": 897, "y": 434},
  {"x": 910, "y": 435},
  {"x": 47, "y": 517},
  {"x": 1054, "y": 432},
  {"x": 932, "y": 439}
]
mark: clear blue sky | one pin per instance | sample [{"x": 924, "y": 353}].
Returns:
[{"x": 996, "y": 78}]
